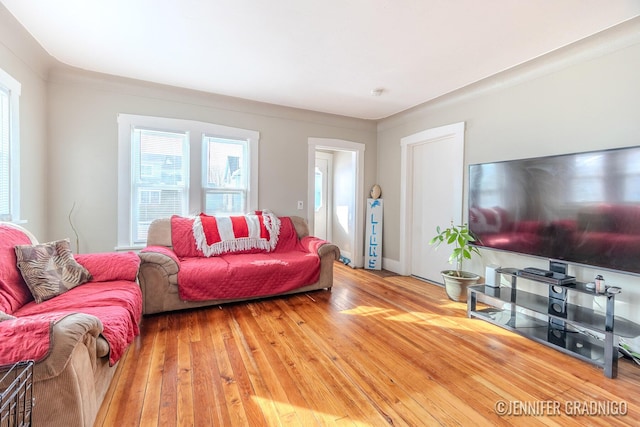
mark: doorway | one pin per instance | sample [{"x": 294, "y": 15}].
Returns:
[
  {"x": 323, "y": 196},
  {"x": 432, "y": 162},
  {"x": 345, "y": 206}
]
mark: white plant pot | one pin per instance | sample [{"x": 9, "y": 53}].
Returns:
[{"x": 456, "y": 287}]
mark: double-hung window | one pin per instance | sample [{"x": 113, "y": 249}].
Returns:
[
  {"x": 9, "y": 148},
  {"x": 181, "y": 167}
]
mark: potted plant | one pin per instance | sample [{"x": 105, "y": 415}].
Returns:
[{"x": 456, "y": 281}]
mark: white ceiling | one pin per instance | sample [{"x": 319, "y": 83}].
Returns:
[{"x": 322, "y": 55}]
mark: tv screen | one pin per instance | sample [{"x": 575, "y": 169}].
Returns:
[{"x": 581, "y": 208}]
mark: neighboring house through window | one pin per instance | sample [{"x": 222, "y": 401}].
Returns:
[
  {"x": 181, "y": 167},
  {"x": 225, "y": 179},
  {"x": 9, "y": 148}
]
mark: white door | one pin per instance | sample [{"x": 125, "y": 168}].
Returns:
[
  {"x": 435, "y": 185},
  {"x": 322, "y": 196}
]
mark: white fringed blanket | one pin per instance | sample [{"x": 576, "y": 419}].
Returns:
[{"x": 215, "y": 235}]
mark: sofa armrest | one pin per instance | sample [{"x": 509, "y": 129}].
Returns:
[
  {"x": 158, "y": 277},
  {"x": 66, "y": 334},
  {"x": 321, "y": 247},
  {"x": 162, "y": 256},
  {"x": 108, "y": 266},
  {"x": 330, "y": 250}
]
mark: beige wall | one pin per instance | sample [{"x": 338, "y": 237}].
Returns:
[
  {"x": 585, "y": 97},
  {"x": 83, "y": 145},
  {"x": 27, "y": 62}
]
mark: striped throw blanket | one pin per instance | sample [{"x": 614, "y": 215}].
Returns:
[{"x": 216, "y": 235}]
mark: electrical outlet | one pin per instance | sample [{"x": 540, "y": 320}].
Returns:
[{"x": 300, "y": 204}]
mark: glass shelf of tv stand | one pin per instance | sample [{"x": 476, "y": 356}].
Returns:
[
  {"x": 568, "y": 340},
  {"x": 587, "y": 318},
  {"x": 576, "y": 330}
]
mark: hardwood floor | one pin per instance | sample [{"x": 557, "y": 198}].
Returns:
[{"x": 376, "y": 350}]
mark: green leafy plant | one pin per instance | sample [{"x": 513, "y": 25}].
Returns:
[{"x": 460, "y": 237}]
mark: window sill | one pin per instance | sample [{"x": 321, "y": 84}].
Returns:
[
  {"x": 15, "y": 221},
  {"x": 128, "y": 248}
]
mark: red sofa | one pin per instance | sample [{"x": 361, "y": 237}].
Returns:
[
  {"x": 175, "y": 274},
  {"x": 75, "y": 338}
]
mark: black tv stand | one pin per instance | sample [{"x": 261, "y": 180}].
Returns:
[{"x": 552, "y": 320}]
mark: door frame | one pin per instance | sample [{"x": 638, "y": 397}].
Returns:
[
  {"x": 357, "y": 149},
  {"x": 454, "y": 131}
]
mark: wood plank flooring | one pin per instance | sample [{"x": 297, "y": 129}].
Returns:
[{"x": 376, "y": 350}]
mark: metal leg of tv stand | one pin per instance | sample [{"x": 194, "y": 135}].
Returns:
[
  {"x": 472, "y": 298},
  {"x": 512, "y": 321},
  {"x": 610, "y": 342}
]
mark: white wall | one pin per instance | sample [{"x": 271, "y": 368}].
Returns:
[
  {"x": 584, "y": 97},
  {"x": 83, "y": 140},
  {"x": 27, "y": 62}
]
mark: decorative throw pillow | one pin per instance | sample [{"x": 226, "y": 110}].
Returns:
[
  {"x": 4, "y": 316},
  {"x": 49, "y": 269}
]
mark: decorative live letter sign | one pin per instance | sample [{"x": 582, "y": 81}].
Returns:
[{"x": 373, "y": 243}]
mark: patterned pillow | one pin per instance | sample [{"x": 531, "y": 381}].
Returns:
[
  {"x": 49, "y": 269},
  {"x": 4, "y": 316}
]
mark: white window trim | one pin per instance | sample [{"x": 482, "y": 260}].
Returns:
[
  {"x": 15, "y": 89},
  {"x": 196, "y": 130}
]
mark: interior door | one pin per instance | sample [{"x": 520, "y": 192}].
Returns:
[
  {"x": 322, "y": 196},
  {"x": 436, "y": 184}
]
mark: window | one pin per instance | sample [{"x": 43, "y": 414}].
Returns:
[
  {"x": 225, "y": 179},
  {"x": 181, "y": 167},
  {"x": 159, "y": 186},
  {"x": 9, "y": 148},
  {"x": 318, "y": 178}
]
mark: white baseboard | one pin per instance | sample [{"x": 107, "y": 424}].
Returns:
[{"x": 391, "y": 265}]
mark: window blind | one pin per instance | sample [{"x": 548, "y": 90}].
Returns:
[{"x": 160, "y": 177}]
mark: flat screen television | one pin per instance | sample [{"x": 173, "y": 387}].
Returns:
[{"x": 580, "y": 208}]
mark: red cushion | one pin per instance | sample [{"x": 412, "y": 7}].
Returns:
[
  {"x": 109, "y": 266},
  {"x": 14, "y": 292}
]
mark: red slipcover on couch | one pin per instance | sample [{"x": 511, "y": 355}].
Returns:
[
  {"x": 76, "y": 338},
  {"x": 175, "y": 274}
]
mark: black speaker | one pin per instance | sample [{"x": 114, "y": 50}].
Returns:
[
  {"x": 558, "y": 307},
  {"x": 558, "y": 292},
  {"x": 557, "y": 333}
]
